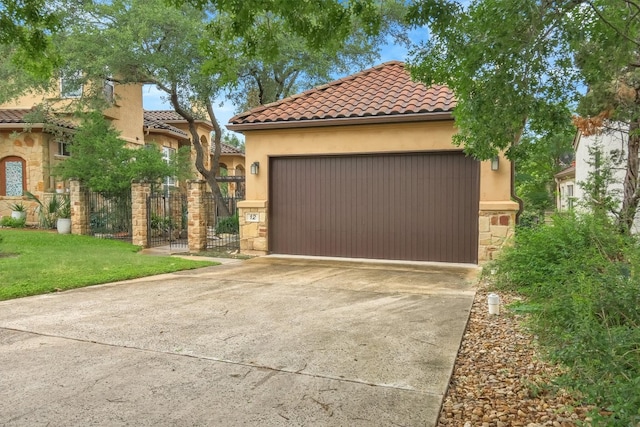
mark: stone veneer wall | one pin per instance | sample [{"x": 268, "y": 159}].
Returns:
[
  {"x": 197, "y": 217},
  {"x": 33, "y": 148},
  {"x": 496, "y": 229},
  {"x": 79, "y": 199},
  {"x": 253, "y": 235},
  {"x": 140, "y": 192}
]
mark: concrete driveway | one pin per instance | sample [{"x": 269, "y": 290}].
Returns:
[{"x": 270, "y": 341}]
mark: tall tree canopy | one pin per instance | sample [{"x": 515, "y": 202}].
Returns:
[
  {"x": 267, "y": 74},
  {"x": 520, "y": 67},
  {"x": 196, "y": 49},
  {"x": 27, "y": 25}
]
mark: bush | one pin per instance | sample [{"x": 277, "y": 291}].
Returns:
[
  {"x": 7, "y": 221},
  {"x": 229, "y": 224},
  {"x": 583, "y": 279}
]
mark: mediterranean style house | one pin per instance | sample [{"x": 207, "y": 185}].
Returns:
[{"x": 29, "y": 151}]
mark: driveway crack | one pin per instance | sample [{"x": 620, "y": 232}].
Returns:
[{"x": 227, "y": 361}]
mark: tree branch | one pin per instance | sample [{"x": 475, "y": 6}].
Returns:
[{"x": 610, "y": 25}]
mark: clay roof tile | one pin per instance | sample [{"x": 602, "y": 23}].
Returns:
[{"x": 384, "y": 90}]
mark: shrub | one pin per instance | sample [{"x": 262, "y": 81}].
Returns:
[
  {"x": 229, "y": 224},
  {"x": 7, "y": 221},
  {"x": 583, "y": 278}
]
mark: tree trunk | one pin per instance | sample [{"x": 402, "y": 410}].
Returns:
[
  {"x": 215, "y": 162},
  {"x": 208, "y": 174},
  {"x": 631, "y": 193}
]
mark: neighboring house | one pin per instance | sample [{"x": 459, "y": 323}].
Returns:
[
  {"x": 364, "y": 167},
  {"x": 566, "y": 188},
  {"x": 232, "y": 167},
  {"x": 231, "y": 159},
  {"x": 29, "y": 151},
  {"x": 613, "y": 146}
]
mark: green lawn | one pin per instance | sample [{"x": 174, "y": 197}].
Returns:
[{"x": 37, "y": 262}]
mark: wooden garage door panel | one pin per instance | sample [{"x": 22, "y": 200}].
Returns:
[{"x": 420, "y": 206}]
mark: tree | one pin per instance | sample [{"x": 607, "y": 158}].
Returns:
[
  {"x": 232, "y": 139},
  {"x": 539, "y": 159},
  {"x": 267, "y": 76},
  {"x": 27, "y": 25},
  {"x": 322, "y": 23},
  {"x": 146, "y": 42},
  {"x": 100, "y": 159},
  {"x": 518, "y": 68}
]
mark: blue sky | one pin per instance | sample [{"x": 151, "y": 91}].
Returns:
[{"x": 389, "y": 52}]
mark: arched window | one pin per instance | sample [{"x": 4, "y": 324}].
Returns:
[{"x": 13, "y": 176}]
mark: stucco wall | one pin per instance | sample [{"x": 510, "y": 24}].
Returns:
[
  {"x": 127, "y": 112},
  {"x": 564, "y": 200},
  {"x": 495, "y": 198},
  {"x": 383, "y": 138}
]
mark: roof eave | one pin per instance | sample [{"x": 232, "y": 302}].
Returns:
[
  {"x": 166, "y": 132},
  {"x": 230, "y": 154},
  {"x": 198, "y": 122},
  {"x": 26, "y": 127},
  {"x": 368, "y": 120}
]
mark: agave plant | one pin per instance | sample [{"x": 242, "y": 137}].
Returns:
[
  {"x": 48, "y": 211},
  {"x": 18, "y": 207}
]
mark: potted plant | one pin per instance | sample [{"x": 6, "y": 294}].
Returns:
[
  {"x": 63, "y": 224},
  {"x": 18, "y": 211}
]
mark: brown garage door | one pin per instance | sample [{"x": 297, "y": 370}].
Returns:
[{"x": 418, "y": 206}]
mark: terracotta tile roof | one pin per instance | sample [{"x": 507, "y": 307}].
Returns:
[
  {"x": 17, "y": 116},
  {"x": 151, "y": 123},
  {"x": 169, "y": 116},
  {"x": 381, "y": 92},
  {"x": 14, "y": 115},
  {"x": 163, "y": 115},
  {"x": 229, "y": 149}
]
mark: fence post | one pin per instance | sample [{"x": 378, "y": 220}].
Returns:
[
  {"x": 78, "y": 197},
  {"x": 197, "y": 218},
  {"x": 140, "y": 192}
]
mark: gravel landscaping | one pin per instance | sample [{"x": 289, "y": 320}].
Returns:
[{"x": 498, "y": 378}]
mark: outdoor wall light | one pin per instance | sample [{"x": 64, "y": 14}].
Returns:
[
  {"x": 495, "y": 163},
  {"x": 255, "y": 167}
]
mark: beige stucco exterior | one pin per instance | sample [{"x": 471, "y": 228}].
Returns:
[
  {"x": 126, "y": 113},
  {"x": 496, "y": 213},
  {"x": 39, "y": 149},
  {"x": 233, "y": 163}
]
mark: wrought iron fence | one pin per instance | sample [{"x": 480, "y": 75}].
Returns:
[
  {"x": 223, "y": 231},
  {"x": 110, "y": 217},
  {"x": 167, "y": 225}
]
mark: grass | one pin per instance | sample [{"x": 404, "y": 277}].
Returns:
[{"x": 37, "y": 262}]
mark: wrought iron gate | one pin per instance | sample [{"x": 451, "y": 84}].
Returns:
[
  {"x": 223, "y": 232},
  {"x": 167, "y": 220}
]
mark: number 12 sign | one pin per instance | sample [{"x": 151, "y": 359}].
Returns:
[{"x": 253, "y": 217}]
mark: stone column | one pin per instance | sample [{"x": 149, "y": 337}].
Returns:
[
  {"x": 254, "y": 227},
  {"x": 79, "y": 199},
  {"x": 140, "y": 192},
  {"x": 197, "y": 217},
  {"x": 496, "y": 223}
]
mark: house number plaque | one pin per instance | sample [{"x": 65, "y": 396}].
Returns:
[{"x": 253, "y": 217}]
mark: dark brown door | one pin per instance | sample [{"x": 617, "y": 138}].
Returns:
[{"x": 418, "y": 206}]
